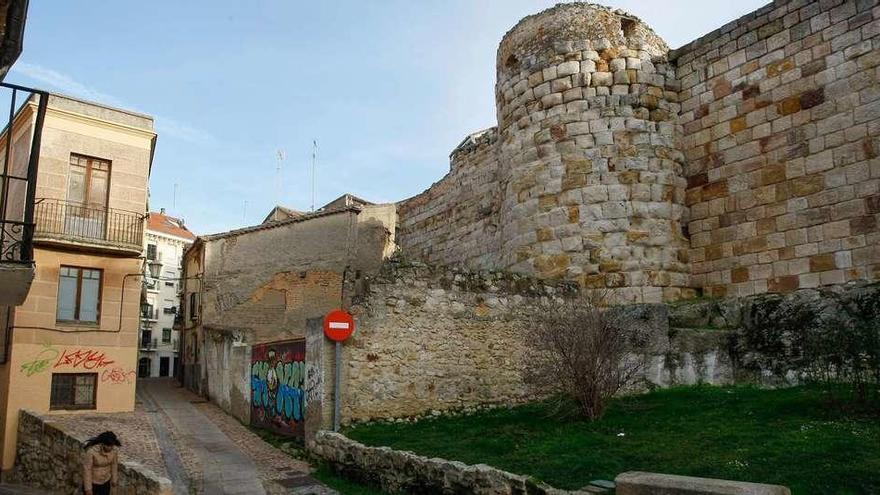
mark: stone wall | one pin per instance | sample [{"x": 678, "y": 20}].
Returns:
[
  {"x": 744, "y": 162},
  {"x": 435, "y": 339},
  {"x": 51, "y": 458},
  {"x": 457, "y": 218},
  {"x": 781, "y": 116},
  {"x": 405, "y": 472}
]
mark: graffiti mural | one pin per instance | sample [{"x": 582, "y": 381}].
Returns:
[{"x": 278, "y": 387}]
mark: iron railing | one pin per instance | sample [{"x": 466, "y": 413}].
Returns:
[
  {"x": 148, "y": 343},
  {"x": 65, "y": 220},
  {"x": 20, "y": 156}
]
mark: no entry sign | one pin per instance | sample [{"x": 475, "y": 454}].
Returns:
[{"x": 338, "y": 325}]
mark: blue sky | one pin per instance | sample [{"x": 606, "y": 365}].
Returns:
[{"x": 387, "y": 88}]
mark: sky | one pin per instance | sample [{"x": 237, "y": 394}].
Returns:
[{"x": 386, "y": 88}]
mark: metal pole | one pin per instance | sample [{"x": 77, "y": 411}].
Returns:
[{"x": 337, "y": 386}]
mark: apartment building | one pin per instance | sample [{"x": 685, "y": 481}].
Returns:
[
  {"x": 72, "y": 344},
  {"x": 166, "y": 239}
]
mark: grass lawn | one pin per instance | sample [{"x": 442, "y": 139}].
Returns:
[{"x": 794, "y": 437}]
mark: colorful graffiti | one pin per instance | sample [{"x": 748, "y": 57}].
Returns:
[
  {"x": 118, "y": 376},
  {"x": 41, "y": 361},
  {"x": 278, "y": 392},
  {"x": 75, "y": 358}
]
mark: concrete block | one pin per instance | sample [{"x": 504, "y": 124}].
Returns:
[{"x": 640, "y": 483}]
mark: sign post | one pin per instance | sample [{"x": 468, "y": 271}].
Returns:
[{"x": 338, "y": 326}]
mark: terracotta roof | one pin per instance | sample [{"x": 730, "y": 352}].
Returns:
[{"x": 160, "y": 222}]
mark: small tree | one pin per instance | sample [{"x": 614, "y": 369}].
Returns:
[{"x": 585, "y": 353}]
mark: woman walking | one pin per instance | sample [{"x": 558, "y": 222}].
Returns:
[{"x": 100, "y": 464}]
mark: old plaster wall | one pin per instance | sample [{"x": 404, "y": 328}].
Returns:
[
  {"x": 781, "y": 116},
  {"x": 263, "y": 284}
]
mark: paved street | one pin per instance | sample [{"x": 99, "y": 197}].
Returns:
[{"x": 207, "y": 451}]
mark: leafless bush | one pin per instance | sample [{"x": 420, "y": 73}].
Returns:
[{"x": 585, "y": 353}]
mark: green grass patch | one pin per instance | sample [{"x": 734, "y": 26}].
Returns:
[
  {"x": 342, "y": 485},
  {"x": 798, "y": 437}
]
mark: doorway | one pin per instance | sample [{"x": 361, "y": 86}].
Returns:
[
  {"x": 163, "y": 366},
  {"x": 144, "y": 367}
]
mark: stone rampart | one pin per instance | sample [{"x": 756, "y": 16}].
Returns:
[
  {"x": 51, "y": 458},
  {"x": 781, "y": 117},
  {"x": 457, "y": 218},
  {"x": 742, "y": 163}
]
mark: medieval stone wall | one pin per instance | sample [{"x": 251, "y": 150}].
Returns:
[
  {"x": 781, "y": 116},
  {"x": 457, "y": 218},
  {"x": 744, "y": 162}
]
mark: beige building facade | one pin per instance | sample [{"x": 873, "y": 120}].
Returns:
[{"x": 72, "y": 345}]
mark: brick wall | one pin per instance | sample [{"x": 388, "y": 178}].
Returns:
[{"x": 781, "y": 116}]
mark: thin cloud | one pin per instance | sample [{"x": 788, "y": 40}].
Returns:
[{"x": 66, "y": 84}]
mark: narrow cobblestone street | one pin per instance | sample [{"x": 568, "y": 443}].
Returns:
[{"x": 207, "y": 451}]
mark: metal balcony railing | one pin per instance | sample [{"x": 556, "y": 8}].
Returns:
[
  {"x": 73, "y": 222},
  {"x": 152, "y": 314},
  {"x": 19, "y": 159},
  {"x": 147, "y": 344}
]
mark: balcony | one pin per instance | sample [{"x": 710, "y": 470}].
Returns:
[
  {"x": 149, "y": 344},
  {"x": 73, "y": 225},
  {"x": 150, "y": 314},
  {"x": 19, "y": 159}
]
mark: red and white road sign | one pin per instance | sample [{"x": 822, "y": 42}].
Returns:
[{"x": 338, "y": 325}]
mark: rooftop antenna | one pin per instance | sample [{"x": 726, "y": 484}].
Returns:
[
  {"x": 314, "y": 160},
  {"x": 281, "y": 155}
]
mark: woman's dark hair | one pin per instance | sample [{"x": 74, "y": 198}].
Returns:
[{"x": 106, "y": 438}]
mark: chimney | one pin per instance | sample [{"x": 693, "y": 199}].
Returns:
[{"x": 161, "y": 211}]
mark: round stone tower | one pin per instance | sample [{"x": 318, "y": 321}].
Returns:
[{"x": 592, "y": 181}]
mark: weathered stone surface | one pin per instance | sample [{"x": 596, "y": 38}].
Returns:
[
  {"x": 405, "y": 472},
  {"x": 760, "y": 136},
  {"x": 639, "y": 483}
]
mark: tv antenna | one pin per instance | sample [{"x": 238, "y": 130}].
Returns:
[
  {"x": 279, "y": 179},
  {"x": 314, "y": 160}
]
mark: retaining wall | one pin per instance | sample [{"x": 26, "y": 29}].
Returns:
[
  {"x": 405, "y": 472},
  {"x": 51, "y": 458}
]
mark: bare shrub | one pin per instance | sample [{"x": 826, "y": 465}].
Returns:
[{"x": 585, "y": 352}]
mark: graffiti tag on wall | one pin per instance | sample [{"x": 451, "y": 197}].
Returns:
[
  {"x": 41, "y": 361},
  {"x": 83, "y": 358},
  {"x": 278, "y": 391},
  {"x": 118, "y": 376},
  {"x": 75, "y": 358}
]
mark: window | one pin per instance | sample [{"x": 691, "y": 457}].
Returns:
[
  {"x": 147, "y": 311},
  {"x": 73, "y": 390},
  {"x": 79, "y": 294},
  {"x": 89, "y": 181},
  {"x": 193, "y": 311},
  {"x": 166, "y": 335},
  {"x": 151, "y": 252}
]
